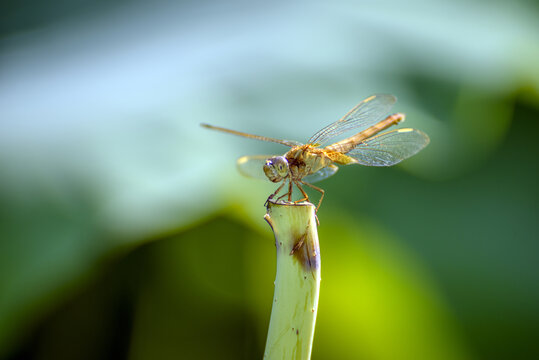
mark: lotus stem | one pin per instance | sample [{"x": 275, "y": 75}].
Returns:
[{"x": 297, "y": 280}]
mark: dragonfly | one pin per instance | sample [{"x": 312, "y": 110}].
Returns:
[{"x": 305, "y": 164}]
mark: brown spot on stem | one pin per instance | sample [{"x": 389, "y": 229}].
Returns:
[
  {"x": 298, "y": 244},
  {"x": 307, "y": 251}
]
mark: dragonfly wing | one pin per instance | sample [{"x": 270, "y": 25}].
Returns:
[
  {"x": 321, "y": 174},
  {"x": 291, "y": 143},
  {"x": 389, "y": 148},
  {"x": 365, "y": 114},
  {"x": 252, "y": 166}
]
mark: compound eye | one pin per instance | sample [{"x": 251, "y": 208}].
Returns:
[{"x": 281, "y": 165}]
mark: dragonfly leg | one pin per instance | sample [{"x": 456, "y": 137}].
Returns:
[
  {"x": 275, "y": 193},
  {"x": 305, "y": 196},
  {"x": 289, "y": 193},
  {"x": 317, "y": 189},
  {"x": 289, "y": 190}
]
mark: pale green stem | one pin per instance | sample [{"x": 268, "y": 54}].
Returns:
[{"x": 297, "y": 281}]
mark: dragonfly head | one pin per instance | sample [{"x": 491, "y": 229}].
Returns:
[{"x": 276, "y": 168}]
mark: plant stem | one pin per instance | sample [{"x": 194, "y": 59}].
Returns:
[{"x": 297, "y": 281}]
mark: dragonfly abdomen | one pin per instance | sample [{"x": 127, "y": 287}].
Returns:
[
  {"x": 350, "y": 143},
  {"x": 340, "y": 158}
]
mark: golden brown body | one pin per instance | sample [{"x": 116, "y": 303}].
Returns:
[
  {"x": 305, "y": 160},
  {"x": 350, "y": 143}
]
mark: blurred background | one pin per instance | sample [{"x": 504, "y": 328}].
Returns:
[{"x": 126, "y": 231}]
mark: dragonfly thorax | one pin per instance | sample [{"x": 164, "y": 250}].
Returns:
[
  {"x": 305, "y": 160},
  {"x": 276, "y": 168}
]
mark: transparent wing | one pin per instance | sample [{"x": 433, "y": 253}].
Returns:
[
  {"x": 252, "y": 166},
  {"x": 321, "y": 174},
  {"x": 389, "y": 148},
  {"x": 365, "y": 114}
]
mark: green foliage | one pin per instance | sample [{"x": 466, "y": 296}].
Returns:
[{"x": 199, "y": 294}]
